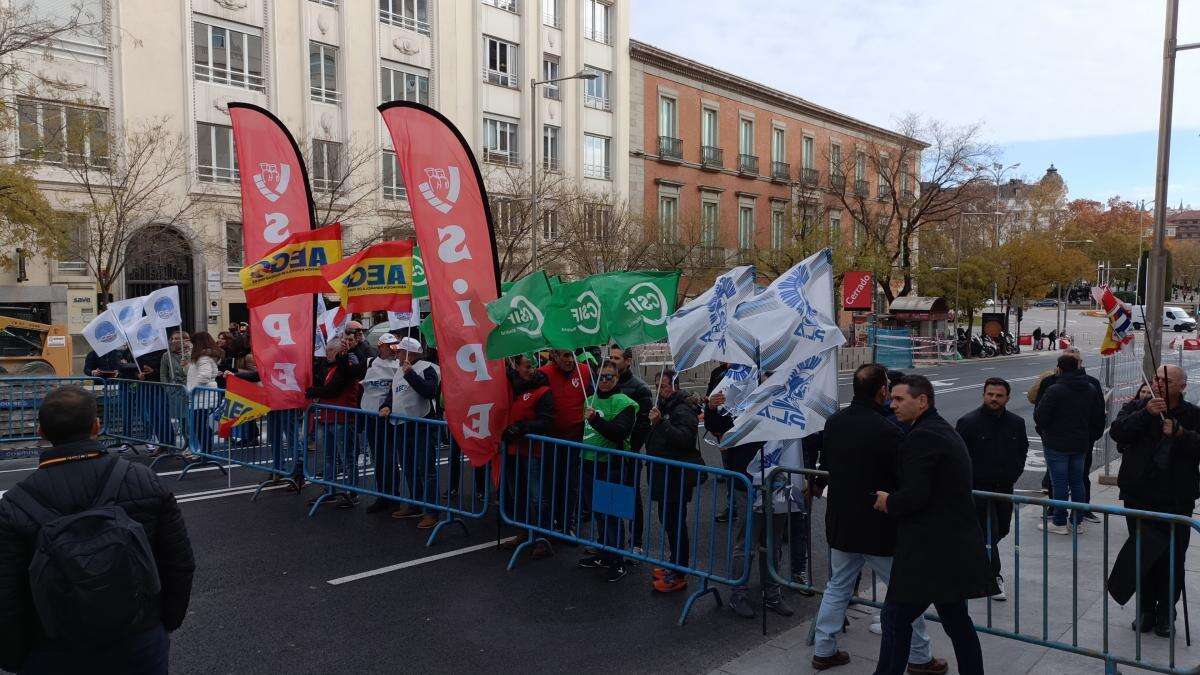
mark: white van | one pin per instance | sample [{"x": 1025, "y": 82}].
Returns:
[{"x": 1173, "y": 318}]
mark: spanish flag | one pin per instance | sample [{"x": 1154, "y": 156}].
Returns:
[
  {"x": 294, "y": 268},
  {"x": 244, "y": 402},
  {"x": 377, "y": 279}
]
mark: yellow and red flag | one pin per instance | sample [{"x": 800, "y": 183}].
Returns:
[
  {"x": 294, "y": 268},
  {"x": 1120, "y": 321},
  {"x": 244, "y": 402},
  {"x": 377, "y": 279}
]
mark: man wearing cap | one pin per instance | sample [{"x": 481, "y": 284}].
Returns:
[
  {"x": 357, "y": 352},
  {"x": 381, "y": 372},
  {"x": 412, "y": 395}
]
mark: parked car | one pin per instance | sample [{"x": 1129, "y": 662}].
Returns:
[{"x": 1046, "y": 302}]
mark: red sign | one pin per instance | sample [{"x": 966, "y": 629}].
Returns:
[
  {"x": 856, "y": 290},
  {"x": 276, "y": 204},
  {"x": 458, "y": 246}
]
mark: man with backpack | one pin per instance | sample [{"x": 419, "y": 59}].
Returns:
[{"x": 95, "y": 562}]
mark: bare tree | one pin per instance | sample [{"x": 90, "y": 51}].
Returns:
[
  {"x": 602, "y": 234},
  {"x": 29, "y": 30}
]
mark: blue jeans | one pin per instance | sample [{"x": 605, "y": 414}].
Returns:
[
  {"x": 844, "y": 570},
  {"x": 1066, "y": 475}
]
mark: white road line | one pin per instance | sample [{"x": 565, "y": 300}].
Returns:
[
  {"x": 413, "y": 563},
  {"x": 28, "y": 468},
  {"x": 234, "y": 492}
]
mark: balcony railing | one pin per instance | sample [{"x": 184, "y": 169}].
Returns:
[
  {"x": 411, "y": 23},
  {"x": 861, "y": 188},
  {"x": 837, "y": 181},
  {"x": 500, "y": 78},
  {"x": 810, "y": 177},
  {"x": 712, "y": 256},
  {"x": 882, "y": 193},
  {"x": 551, "y": 164},
  {"x": 748, "y": 163},
  {"x": 670, "y": 148},
  {"x": 597, "y": 102},
  {"x": 600, "y": 36},
  {"x": 506, "y": 157},
  {"x": 712, "y": 156},
  {"x": 781, "y": 171},
  {"x": 323, "y": 95},
  {"x": 907, "y": 195},
  {"x": 232, "y": 78},
  {"x": 600, "y": 171}
]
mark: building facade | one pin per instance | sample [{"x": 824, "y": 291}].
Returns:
[
  {"x": 322, "y": 66},
  {"x": 1184, "y": 224}
]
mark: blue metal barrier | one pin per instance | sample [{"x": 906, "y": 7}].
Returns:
[
  {"x": 20, "y": 398},
  {"x": 274, "y": 444},
  {"x": 588, "y": 495},
  {"x": 401, "y": 459},
  {"x": 1166, "y": 526},
  {"x": 147, "y": 413}
]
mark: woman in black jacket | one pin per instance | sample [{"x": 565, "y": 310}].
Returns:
[{"x": 674, "y": 424}]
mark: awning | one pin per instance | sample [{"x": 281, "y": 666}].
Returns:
[{"x": 917, "y": 303}]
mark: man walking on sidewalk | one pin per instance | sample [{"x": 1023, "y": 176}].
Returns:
[
  {"x": 998, "y": 444},
  {"x": 939, "y": 549},
  {"x": 1069, "y": 418},
  {"x": 859, "y": 452}
]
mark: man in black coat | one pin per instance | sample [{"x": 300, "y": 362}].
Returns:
[
  {"x": 998, "y": 444},
  {"x": 1035, "y": 394},
  {"x": 1070, "y": 418},
  {"x": 859, "y": 452},
  {"x": 632, "y": 386},
  {"x": 939, "y": 556},
  {"x": 1159, "y": 441},
  {"x": 69, "y": 479}
]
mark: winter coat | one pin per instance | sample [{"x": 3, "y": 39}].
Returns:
[
  {"x": 117, "y": 361},
  {"x": 998, "y": 445},
  {"x": 674, "y": 437},
  {"x": 939, "y": 547},
  {"x": 717, "y": 422},
  {"x": 532, "y": 412},
  {"x": 201, "y": 373},
  {"x": 859, "y": 451},
  {"x": 570, "y": 393},
  {"x": 612, "y": 423},
  {"x": 1070, "y": 415},
  {"x": 632, "y": 386},
  {"x": 70, "y": 487},
  {"x": 1154, "y": 472}
]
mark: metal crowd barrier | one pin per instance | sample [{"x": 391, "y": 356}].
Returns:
[
  {"x": 590, "y": 495},
  {"x": 147, "y": 413},
  {"x": 406, "y": 460},
  {"x": 274, "y": 444},
  {"x": 1146, "y": 528},
  {"x": 20, "y": 398}
]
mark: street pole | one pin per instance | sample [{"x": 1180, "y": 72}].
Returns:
[
  {"x": 957, "y": 277},
  {"x": 533, "y": 175}
]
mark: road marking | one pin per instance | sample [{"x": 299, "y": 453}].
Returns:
[
  {"x": 28, "y": 468},
  {"x": 413, "y": 563},
  {"x": 989, "y": 368},
  {"x": 980, "y": 384},
  {"x": 230, "y": 493},
  {"x": 944, "y": 383}
]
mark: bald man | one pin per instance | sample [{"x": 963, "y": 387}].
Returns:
[{"x": 1159, "y": 441}]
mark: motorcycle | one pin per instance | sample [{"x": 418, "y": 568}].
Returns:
[{"x": 990, "y": 348}]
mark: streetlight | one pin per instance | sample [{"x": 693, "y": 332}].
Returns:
[
  {"x": 534, "y": 83},
  {"x": 957, "y": 279},
  {"x": 998, "y": 171}
]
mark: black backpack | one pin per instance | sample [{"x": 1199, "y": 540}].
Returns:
[{"x": 93, "y": 575}]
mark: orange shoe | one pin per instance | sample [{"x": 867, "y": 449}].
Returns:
[
  {"x": 659, "y": 572},
  {"x": 427, "y": 522},
  {"x": 671, "y": 583}
]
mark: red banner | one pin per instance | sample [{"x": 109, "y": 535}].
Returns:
[
  {"x": 295, "y": 268},
  {"x": 276, "y": 203},
  {"x": 856, "y": 290},
  {"x": 458, "y": 246},
  {"x": 244, "y": 402},
  {"x": 377, "y": 279}
]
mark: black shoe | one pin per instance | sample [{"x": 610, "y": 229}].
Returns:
[
  {"x": 615, "y": 572},
  {"x": 1162, "y": 626},
  {"x": 591, "y": 563},
  {"x": 1091, "y": 517},
  {"x": 379, "y": 505},
  {"x": 722, "y": 517},
  {"x": 346, "y": 501},
  {"x": 1147, "y": 622}
]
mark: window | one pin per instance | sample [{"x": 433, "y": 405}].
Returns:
[
  {"x": 327, "y": 3},
  {"x": 596, "y": 21},
  {"x": 835, "y": 159},
  {"x": 73, "y": 256},
  {"x": 551, "y": 154},
  {"x": 397, "y": 84},
  {"x": 326, "y": 166},
  {"x": 835, "y": 227},
  {"x": 506, "y": 5},
  {"x": 504, "y": 214},
  {"x": 226, "y": 56},
  {"x": 597, "y": 221},
  {"x": 410, "y": 14},
  {"x": 708, "y": 127},
  {"x": 708, "y": 223},
  {"x": 808, "y": 152},
  {"x": 234, "y": 253},
  {"x": 55, "y": 133},
  {"x": 550, "y": 13},
  {"x": 393, "y": 180},
  {"x": 881, "y": 177},
  {"x": 668, "y": 117},
  {"x": 746, "y": 227},
  {"x": 550, "y": 72},
  {"x": 216, "y": 161},
  {"x": 595, "y": 156},
  {"x": 778, "y": 225},
  {"x": 499, "y": 62},
  {"x": 668, "y": 219},
  {"x": 746, "y": 137},
  {"x": 322, "y": 72},
  {"x": 595, "y": 93},
  {"x": 778, "y": 145},
  {"x": 500, "y": 141},
  {"x": 550, "y": 227},
  {"x": 860, "y": 167}
]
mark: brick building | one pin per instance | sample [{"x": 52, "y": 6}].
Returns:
[{"x": 1186, "y": 224}]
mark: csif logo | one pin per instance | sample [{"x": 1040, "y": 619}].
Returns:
[
  {"x": 272, "y": 180},
  {"x": 525, "y": 316},
  {"x": 441, "y": 187},
  {"x": 647, "y": 300},
  {"x": 586, "y": 313}
]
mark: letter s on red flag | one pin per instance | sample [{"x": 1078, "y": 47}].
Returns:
[
  {"x": 454, "y": 230},
  {"x": 276, "y": 204}
]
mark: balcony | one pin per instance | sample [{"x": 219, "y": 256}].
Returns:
[
  {"x": 810, "y": 177},
  {"x": 597, "y": 102},
  {"x": 781, "y": 171},
  {"x": 400, "y": 19},
  {"x": 861, "y": 188},
  {"x": 551, "y": 164},
  {"x": 907, "y": 195},
  {"x": 670, "y": 148},
  {"x": 712, "y": 157},
  {"x": 747, "y": 256},
  {"x": 748, "y": 164},
  {"x": 711, "y": 256},
  {"x": 882, "y": 193},
  {"x": 837, "y": 181},
  {"x": 500, "y": 78},
  {"x": 598, "y": 35},
  {"x": 504, "y": 157},
  {"x": 600, "y": 171}
]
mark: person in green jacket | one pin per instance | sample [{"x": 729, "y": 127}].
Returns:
[{"x": 609, "y": 421}]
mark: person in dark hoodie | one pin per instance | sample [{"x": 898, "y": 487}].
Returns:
[
  {"x": 1069, "y": 418},
  {"x": 531, "y": 412},
  {"x": 632, "y": 386},
  {"x": 1035, "y": 394},
  {"x": 998, "y": 444}
]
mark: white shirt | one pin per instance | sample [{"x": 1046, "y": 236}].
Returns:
[{"x": 202, "y": 373}]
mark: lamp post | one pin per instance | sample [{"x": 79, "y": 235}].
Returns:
[
  {"x": 998, "y": 171},
  {"x": 957, "y": 287},
  {"x": 536, "y": 226}
]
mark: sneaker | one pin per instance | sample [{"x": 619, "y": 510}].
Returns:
[
  {"x": 876, "y": 627},
  {"x": 634, "y": 562},
  {"x": 740, "y": 604},
  {"x": 428, "y": 522},
  {"x": 346, "y": 501},
  {"x": 1079, "y": 528},
  {"x": 1001, "y": 596},
  {"x": 802, "y": 578},
  {"x": 723, "y": 516},
  {"x": 591, "y": 550},
  {"x": 542, "y": 550},
  {"x": 832, "y": 661},
  {"x": 670, "y": 583},
  {"x": 591, "y": 562},
  {"x": 1047, "y": 526},
  {"x": 1091, "y": 517},
  {"x": 934, "y": 667},
  {"x": 615, "y": 572},
  {"x": 406, "y": 512},
  {"x": 775, "y": 603}
]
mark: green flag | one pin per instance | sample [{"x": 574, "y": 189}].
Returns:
[
  {"x": 635, "y": 305},
  {"x": 427, "y": 331},
  {"x": 420, "y": 288},
  {"x": 519, "y": 315},
  {"x": 573, "y": 316}
]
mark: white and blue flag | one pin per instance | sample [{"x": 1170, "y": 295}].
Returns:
[
  {"x": 737, "y": 384},
  {"x": 127, "y": 312},
  {"x": 162, "y": 306},
  {"x": 697, "y": 331},
  {"x": 104, "y": 334},
  {"x": 145, "y": 337},
  {"x": 793, "y": 402}
]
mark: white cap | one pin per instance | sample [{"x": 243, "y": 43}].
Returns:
[
  {"x": 409, "y": 344},
  {"x": 388, "y": 339}
]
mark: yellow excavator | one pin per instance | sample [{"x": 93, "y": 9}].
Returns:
[{"x": 29, "y": 348}]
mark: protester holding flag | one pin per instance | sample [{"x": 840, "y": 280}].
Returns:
[
  {"x": 339, "y": 387},
  {"x": 532, "y": 412},
  {"x": 414, "y": 390},
  {"x": 632, "y": 386},
  {"x": 571, "y": 383},
  {"x": 376, "y": 384}
]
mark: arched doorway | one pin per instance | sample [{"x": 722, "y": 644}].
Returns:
[{"x": 159, "y": 256}]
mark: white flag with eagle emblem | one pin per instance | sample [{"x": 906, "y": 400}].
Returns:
[{"x": 793, "y": 402}]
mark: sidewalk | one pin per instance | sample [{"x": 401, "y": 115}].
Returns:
[{"x": 790, "y": 652}]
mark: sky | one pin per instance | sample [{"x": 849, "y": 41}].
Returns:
[{"x": 1075, "y": 83}]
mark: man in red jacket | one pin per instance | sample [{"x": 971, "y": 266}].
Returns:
[{"x": 570, "y": 383}]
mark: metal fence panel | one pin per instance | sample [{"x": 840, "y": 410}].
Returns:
[{"x": 20, "y": 398}]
